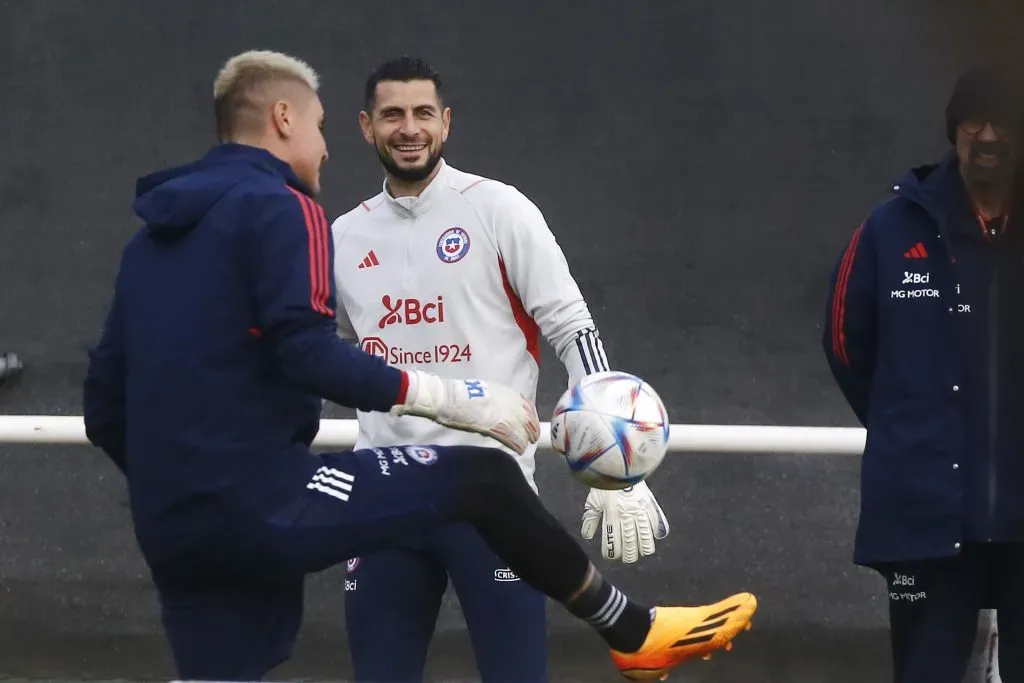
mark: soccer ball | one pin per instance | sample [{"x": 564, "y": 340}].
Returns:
[{"x": 612, "y": 429}]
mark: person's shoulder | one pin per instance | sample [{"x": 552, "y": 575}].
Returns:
[
  {"x": 894, "y": 216},
  {"x": 365, "y": 210},
  {"x": 910, "y": 204},
  {"x": 489, "y": 194},
  {"x": 135, "y": 241},
  {"x": 884, "y": 212},
  {"x": 270, "y": 196}
]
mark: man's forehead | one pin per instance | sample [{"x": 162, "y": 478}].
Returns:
[{"x": 406, "y": 94}]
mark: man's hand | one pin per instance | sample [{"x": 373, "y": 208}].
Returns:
[
  {"x": 472, "y": 405},
  {"x": 630, "y": 520}
]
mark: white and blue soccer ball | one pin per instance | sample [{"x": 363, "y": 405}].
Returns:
[{"x": 612, "y": 429}]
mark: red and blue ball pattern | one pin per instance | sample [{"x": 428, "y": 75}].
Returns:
[{"x": 612, "y": 429}]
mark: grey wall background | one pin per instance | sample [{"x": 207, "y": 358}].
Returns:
[{"x": 701, "y": 164}]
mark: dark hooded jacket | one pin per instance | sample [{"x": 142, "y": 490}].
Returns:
[
  {"x": 924, "y": 334},
  {"x": 220, "y": 342}
]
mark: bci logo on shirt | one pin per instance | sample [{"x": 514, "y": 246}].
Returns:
[
  {"x": 915, "y": 278},
  {"x": 410, "y": 311}
]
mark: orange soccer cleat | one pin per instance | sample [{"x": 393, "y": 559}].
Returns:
[{"x": 681, "y": 633}]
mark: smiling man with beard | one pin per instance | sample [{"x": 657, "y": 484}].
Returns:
[
  {"x": 454, "y": 273},
  {"x": 924, "y": 332}
]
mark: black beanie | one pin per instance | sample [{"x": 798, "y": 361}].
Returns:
[{"x": 988, "y": 92}]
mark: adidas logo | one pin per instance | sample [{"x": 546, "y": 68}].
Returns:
[
  {"x": 917, "y": 251},
  {"x": 370, "y": 260},
  {"x": 705, "y": 631}
]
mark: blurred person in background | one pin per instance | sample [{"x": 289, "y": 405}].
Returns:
[
  {"x": 924, "y": 333},
  {"x": 10, "y": 365}
]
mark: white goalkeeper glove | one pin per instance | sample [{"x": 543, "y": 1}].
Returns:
[
  {"x": 472, "y": 405},
  {"x": 630, "y": 520}
]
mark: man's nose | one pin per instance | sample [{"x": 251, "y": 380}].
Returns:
[
  {"x": 409, "y": 125},
  {"x": 988, "y": 133}
]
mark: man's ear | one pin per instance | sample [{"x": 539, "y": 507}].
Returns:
[
  {"x": 446, "y": 123},
  {"x": 282, "y": 116},
  {"x": 364, "y": 124}
]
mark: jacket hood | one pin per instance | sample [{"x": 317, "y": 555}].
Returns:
[
  {"x": 938, "y": 188},
  {"x": 173, "y": 201}
]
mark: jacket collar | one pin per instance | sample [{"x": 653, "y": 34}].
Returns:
[{"x": 417, "y": 206}]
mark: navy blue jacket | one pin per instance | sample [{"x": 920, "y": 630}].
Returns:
[
  {"x": 924, "y": 334},
  {"x": 220, "y": 342}
]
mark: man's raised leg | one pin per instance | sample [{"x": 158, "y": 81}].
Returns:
[{"x": 369, "y": 499}]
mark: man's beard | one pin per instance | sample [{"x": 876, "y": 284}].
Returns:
[
  {"x": 1000, "y": 174},
  {"x": 413, "y": 174}
]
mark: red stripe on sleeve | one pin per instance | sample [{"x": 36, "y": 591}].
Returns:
[
  {"x": 526, "y": 324},
  {"x": 839, "y": 298},
  {"x": 323, "y": 259},
  {"x": 319, "y": 258},
  {"x": 403, "y": 390}
]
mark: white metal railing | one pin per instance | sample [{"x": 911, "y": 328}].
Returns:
[
  {"x": 50, "y": 429},
  {"x": 40, "y": 429}
]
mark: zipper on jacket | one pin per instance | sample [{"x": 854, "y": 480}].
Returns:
[{"x": 993, "y": 386}]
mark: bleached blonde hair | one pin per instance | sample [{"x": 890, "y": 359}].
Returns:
[{"x": 246, "y": 84}]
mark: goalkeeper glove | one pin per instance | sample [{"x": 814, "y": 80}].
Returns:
[
  {"x": 631, "y": 519},
  {"x": 472, "y": 405}
]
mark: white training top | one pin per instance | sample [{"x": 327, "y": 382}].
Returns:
[{"x": 459, "y": 281}]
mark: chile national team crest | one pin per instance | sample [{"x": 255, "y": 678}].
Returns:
[
  {"x": 452, "y": 245},
  {"x": 422, "y": 454}
]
